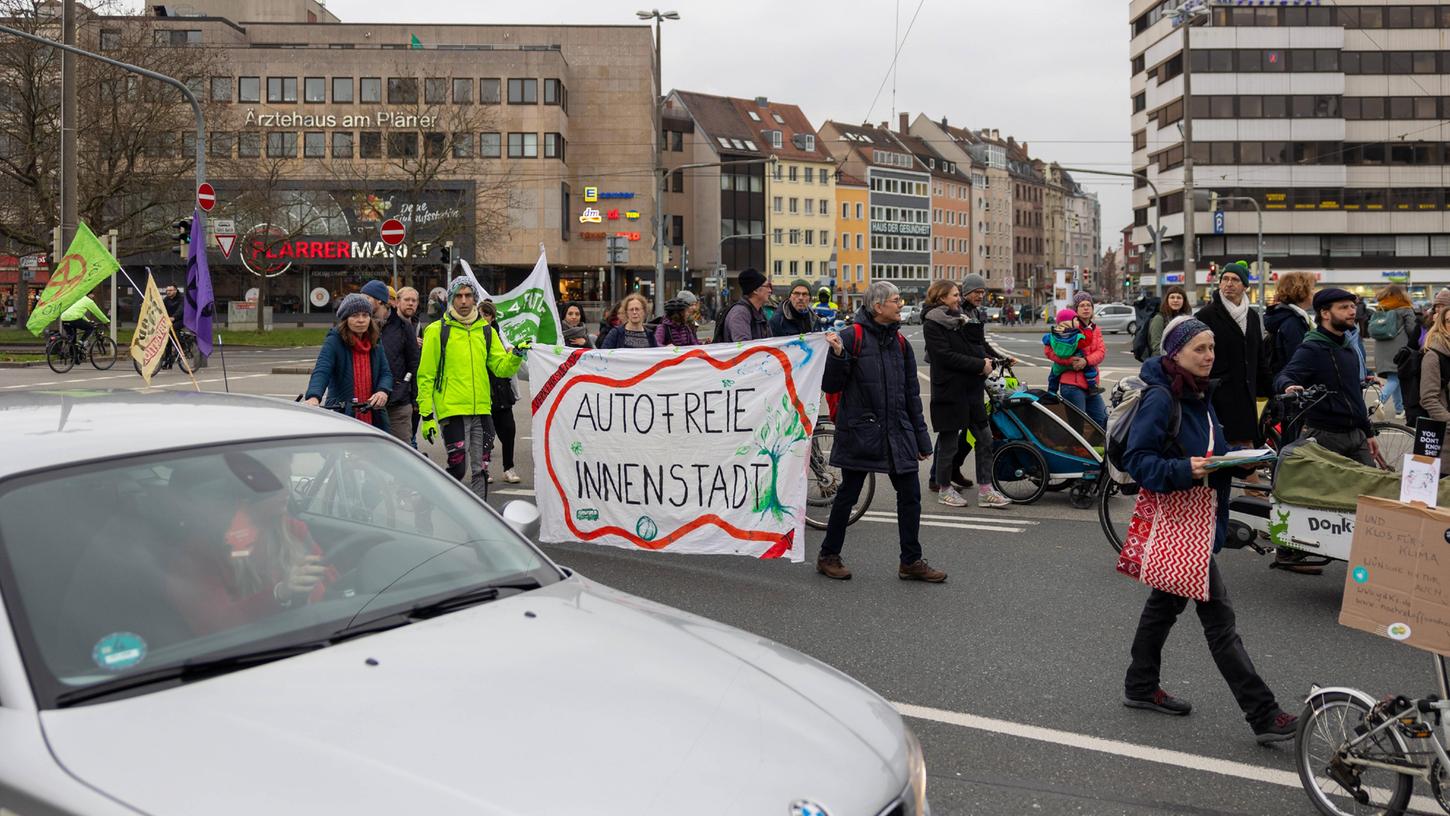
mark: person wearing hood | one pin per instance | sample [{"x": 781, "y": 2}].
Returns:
[
  {"x": 1392, "y": 328},
  {"x": 1241, "y": 364},
  {"x": 1175, "y": 304},
  {"x": 1158, "y": 461},
  {"x": 1340, "y": 422},
  {"x": 455, "y": 393},
  {"x": 1288, "y": 319},
  {"x": 351, "y": 368},
  {"x": 795, "y": 316}
]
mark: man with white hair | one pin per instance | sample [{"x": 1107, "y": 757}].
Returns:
[{"x": 880, "y": 428}]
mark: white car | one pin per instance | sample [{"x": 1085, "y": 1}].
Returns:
[
  {"x": 910, "y": 315},
  {"x": 1116, "y": 317},
  {"x": 234, "y": 605}
]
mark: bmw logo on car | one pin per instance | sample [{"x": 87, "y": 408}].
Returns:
[{"x": 805, "y": 807}]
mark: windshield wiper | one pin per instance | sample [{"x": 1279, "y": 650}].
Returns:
[
  {"x": 188, "y": 671},
  {"x": 472, "y": 596}
]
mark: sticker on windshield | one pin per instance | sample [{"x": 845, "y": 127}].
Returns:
[{"x": 119, "y": 651}]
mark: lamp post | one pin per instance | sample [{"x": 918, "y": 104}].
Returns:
[
  {"x": 1210, "y": 199},
  {"x": 659, "y": 16},
  {"x": 1184, "y": 17}
]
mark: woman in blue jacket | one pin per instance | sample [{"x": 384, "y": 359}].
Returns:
[
  {"x": 1178, "y": 384},
  {"x": 352, "y": 366}
]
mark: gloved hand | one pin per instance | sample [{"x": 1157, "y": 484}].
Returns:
[
  {"x": 428, "y": 427},
  {"x": 523, "y": 347}
]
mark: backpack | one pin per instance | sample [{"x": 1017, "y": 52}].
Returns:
[
  {"x": 1142, "y": 342},
  {"x": 443, "y": 352},
  {"x": 1385, "y": 325},
  {"x": 719, "y": 335},
  {"x": 833, "y": 398},
  {"x": 1120, "y": 420}
]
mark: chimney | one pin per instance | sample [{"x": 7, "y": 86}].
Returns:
[
  {"x": 943, "y": 123},
  {"x": 905, "y": 122},
  {"x": 1024, "y": 148},
  {"x": 762, "y": 102}
]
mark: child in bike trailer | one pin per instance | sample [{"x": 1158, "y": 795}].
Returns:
[{"x": 1067, "y": 339}]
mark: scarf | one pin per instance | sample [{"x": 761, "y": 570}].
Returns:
[
  {"x": 1182, "y": 382},
  {"x": 1298, "y": 311},
  {"x": 467, "y": 321},
  {"x": 362, "y": 375},
  {"x": 946, "y": 318},
  {"x": 1239, "y": 313}
]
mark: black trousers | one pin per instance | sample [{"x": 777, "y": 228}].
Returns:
[
  {"x": 1161, "y": 611},
  {"x": 908, "y": 513},
  {"x": 503, "y": 423}
]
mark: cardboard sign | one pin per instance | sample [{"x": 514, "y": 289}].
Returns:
[
  {"x": 1429, "y": 437},
  {"x": 1420, "y": 479},
  {"x": 1398, "y": 582}
]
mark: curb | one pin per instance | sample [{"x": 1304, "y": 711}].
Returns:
[
  {"x": 292, "y": 370},
  {"x": 17, "y": 364}
]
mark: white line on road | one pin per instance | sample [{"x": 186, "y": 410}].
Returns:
[
  {"x": 961, "y": 524},
  {"x": 515, "y": 491}
]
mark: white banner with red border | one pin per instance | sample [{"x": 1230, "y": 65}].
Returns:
[{"x": 697, "y": 450}]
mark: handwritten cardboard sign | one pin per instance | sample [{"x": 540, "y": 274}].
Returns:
[{"x": 1398, "y": 582}]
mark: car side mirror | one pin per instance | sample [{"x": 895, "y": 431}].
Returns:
[{"x": 523, "y": 517}]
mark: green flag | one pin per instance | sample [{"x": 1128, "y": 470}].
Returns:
[
  {"x": 85, "y": 264},
  {"x": 417, "y": 43},
  {"x": 528, "y": 311}
]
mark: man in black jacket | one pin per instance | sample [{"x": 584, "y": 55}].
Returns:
[
  {"x": 1339, "y": 422},
  {"x": 794, "y": 317},
  {"x": 400, "y": 346},
  {"x": 1241, "y": 365}
]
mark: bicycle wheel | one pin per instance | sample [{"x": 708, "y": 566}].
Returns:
[
  {"x": 1395, "y": 440},
  {"x": 103, "y": 352},
  {"x": 190, "y": 358},
  {"x": 1328, "y": 722},
  {"x": 823, "y": 482},
  {"x": 1019, "y": 472},
  {"x": 59, "y": 356},
  {"x": 1115, "y": 511}
]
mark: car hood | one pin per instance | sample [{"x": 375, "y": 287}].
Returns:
[{"x": 599, "y": 702}]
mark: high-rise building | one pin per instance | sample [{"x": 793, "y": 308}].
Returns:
[{"x": 1330, "y": 116}]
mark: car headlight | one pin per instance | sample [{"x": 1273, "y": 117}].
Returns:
[{"x": 913, "y": 798}]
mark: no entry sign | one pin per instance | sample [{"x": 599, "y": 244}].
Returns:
[
  {"x": 205, "y": 196},
  {"x": 392, "y": 232}
]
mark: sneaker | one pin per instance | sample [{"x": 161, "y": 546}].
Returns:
[
  {"x": 991, "y": 499},
  {"x": 1279, "y": 729},
  {"x": 511, "y": 476},
  {"x": 920, "y": 571},
  {"x": 958, "y": 480},
  {"x": 1161, "y": 702},
  {"x": 831, "y": 567},
  {"x": 951, "y": 498}
]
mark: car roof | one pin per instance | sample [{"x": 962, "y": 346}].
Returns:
[{"x": 47, "y": 429}]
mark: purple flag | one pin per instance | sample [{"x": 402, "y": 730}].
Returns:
[{"x": 200, "y": 303}]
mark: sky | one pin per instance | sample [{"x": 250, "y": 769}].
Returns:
[{"x": 1052, "y": 73}]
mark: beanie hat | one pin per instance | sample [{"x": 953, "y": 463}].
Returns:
[
  {"x": 688, "y": 297},
  {"x": 1080, "y": 297},
  {"x": 354, "y": 303},
  {"x": 1064, "y": 315},
  {"x": 377, "y": 290},
  {"x": 1238, "y": 269},
  {"x": 1180, "y": 331},
  {"x": 456, "y": 284},
  {"x": 1442, "y": 297},
  {"x": 799, "y": 282},
  {"x": 972, "y": 283},
  {"x": 750, "y": 280},
  {"x": 1325, "y": 298}
]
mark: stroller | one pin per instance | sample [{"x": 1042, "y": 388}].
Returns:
[{"x": 1042, "y": 443}]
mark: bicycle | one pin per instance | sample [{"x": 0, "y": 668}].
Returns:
[
  {"x": 1395, "y": 439},
  {"x": 189, "y": 358},
  {"x": 63, "y": 352},
  {"x": 1351, "y": 747},
  {"x": 823, "y": 480}
]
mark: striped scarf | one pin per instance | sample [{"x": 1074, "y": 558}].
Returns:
[{"x": 362, "y": 375}]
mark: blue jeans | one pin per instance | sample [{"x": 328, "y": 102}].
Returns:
[
  {"x": 1091, "y": 404},
  {"x": 1392, "y": 391}
]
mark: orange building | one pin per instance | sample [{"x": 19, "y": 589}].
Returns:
[{"x": 852, "y": 258}]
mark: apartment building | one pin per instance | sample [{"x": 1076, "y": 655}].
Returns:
[
  {"x": 1029, "y": 204},
  {"x": 951, "y": 204},
  {"x": 853, "y": 247}
]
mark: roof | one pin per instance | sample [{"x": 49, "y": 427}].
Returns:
[
  {"x": 848, "y": 180},
  {"x": 749, "y": 122},
  {"x": 939, "y": 165},
  {"x": 48, "y": 429},
  {"x": 865, "y": 139}
]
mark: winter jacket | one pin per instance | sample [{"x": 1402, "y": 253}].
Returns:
[
  {"x": 670, "y": 333},
  {"x": 400, "y": 344},
  {"x": 615, "y": 338},
  {"x": 1385, "y": 350},
  {"x": 879, "y": 422},
  {"x": 789, "y": 323},
  {"x": 474, "y": 351},
  {"x": 1093, "y": 350},
  {"x": 744, "y": 322},
  {"x": 956, "y": 369},
  {"x": 1434, "y": 400},
  {"x": 1241, "y": 366},
  {"x": 1332, "y": 362},
  {"x": 331, "y": 380},
  {"x": 1160, "y": 463},
  {"x": 573, "y": 334},
  {"x": 1286, "y": 329}
]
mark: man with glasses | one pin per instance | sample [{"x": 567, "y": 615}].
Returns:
[
  {"x": 795, "y": 316},
  {"x": 745, "y": 319}
]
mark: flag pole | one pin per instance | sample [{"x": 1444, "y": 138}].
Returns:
[
  {"x": 221, "y": 349},
  {"x": 170, "y": 331}
]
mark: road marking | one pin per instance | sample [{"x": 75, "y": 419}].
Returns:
[
  {"x": 1145, "y": 753},
  {"x": 963, "y": 523},
  {"x": 515, "y": 491}
]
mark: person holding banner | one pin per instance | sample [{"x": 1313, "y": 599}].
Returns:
[
  {"x": 574, "y": 332},
  {"x": 351, "y": 369},
  {"x": 880, "y": 429},
  {"x": 632, "y": 333}
]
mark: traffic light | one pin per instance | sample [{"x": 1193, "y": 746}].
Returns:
[
  {"x": 445, "y": 255},
  {"x": 183, "y": 235},
  {"x": 1212, "y": 271}
]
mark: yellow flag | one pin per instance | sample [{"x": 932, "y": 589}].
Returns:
[{"x": 153, "y": 329}]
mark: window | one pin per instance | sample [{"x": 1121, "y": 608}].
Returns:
[
  {"x": 110, "y": 39},
  {"x": 249, "y": 89},
  {"x": 175, "y": 37},
  {"x": 249, "y": 145},
  {"x": 810, "y": 237},
  {"x": 314, "y": 145},
  {"x": 845, "y": 240},
  {"x": 795, "y": 237},
  {"x": 402, "y": 144},
  {"x": 677, "y": 141},
  {"x": 523, "y": 92},
  {"x": 281, "y": 145},
  {"x": 795, "y": 205},
  {"x": 488, "y": 92},
  {"x": 489, "y": 145},
  {"x": 402, "y": 90},
  {"x": 858, "y": 210},
  {"x": 342, "y": 90},
  {"x": 810, "y": 208},
  {"x": 555, "y": 94},
  {"x": 858, "y": 243},
  {"x": 221, "y": 145},
  {"x": 1424, "y": 107},
  {"x": 677, "y": 181},
  {"x": 370, "y": 90},
  {"x": 342, "y": 144},
  {"x": 1423, "y": 62},
  {"x": 825, "y": 238},
  {"x": 554, "y": 146},
  {"x": 810, "y": 175},
  {"x": 435, "y": 145},
  {"x": 793, "y": 173},
  {"x": 435, "y": 91},
  {"x": 777, "y": 204},
  {"x": 281, "y": 89},
  {"x": 779, "y": 237},
  {"x": 523, "y": 145},
  {"x": 824, "y": 207},
  {"x": 462, "y": 91},
  {"x": 314, "y": 90},
  {"x": 221, "y": 89},
  {"x": 370, "y": 145},
  {"x": 845, "y": 209}
]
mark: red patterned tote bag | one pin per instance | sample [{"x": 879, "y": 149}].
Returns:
[{"x": 1170, "y": 540}]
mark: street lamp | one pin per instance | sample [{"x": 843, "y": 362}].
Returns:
[
  {"x": 1184, "y": 17},
  {"x": 659, "y": 16}
]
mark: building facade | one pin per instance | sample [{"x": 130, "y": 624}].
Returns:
[
  {"x": 1030, "y": 270},
  {"x": 951, "y": 204},
  {"x": 1331, "y": 117},
  {"x": 853, "y": 247}
]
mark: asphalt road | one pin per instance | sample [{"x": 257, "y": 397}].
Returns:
[{"x": 1011, "y": 672}]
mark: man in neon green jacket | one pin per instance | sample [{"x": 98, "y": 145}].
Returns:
[
  {"x": 76, "y": 319},
  {"x": 454, "y": 395}
]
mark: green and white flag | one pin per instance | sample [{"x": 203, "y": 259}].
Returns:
[
  {"x": 85, "y": 264},
  {"x": 528, "y": 311}
]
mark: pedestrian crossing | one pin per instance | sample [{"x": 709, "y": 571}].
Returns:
[{"x": 989, "y": 524}]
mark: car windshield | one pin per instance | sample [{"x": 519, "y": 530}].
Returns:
[{"x": 114, "y": 569}]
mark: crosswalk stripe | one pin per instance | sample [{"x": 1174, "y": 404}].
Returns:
[
  {"x": 514, "y": 491},
  {"x": 963, "y": 522},
  {"x": 982, "y": 519}
]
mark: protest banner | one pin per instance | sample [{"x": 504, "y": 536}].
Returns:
[
  {"x": 697, "y": 450},
  {"x": 153, "y": 331},
  {"x": 527, "y": 311},
  {"x": 85, "y": 264}
]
